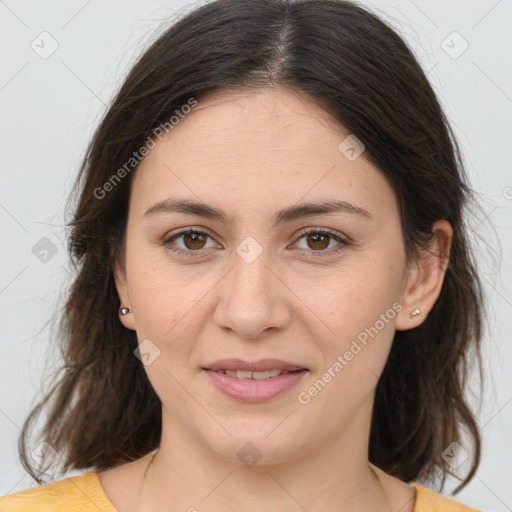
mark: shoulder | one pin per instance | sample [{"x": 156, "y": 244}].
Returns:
[
  {"x": 81, "y": 492},
  {"x": 430, "y": 501}
]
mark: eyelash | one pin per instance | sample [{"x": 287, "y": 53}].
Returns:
[{"x": 306, "y": 231}]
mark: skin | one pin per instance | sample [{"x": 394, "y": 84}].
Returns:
[{"x": 251, "y": 153}]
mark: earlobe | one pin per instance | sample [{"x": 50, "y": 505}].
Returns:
[
  {"x": 126, "y": 318},
  {"x": 425, "y": 280},
  {"x": 125, "y": 311}
]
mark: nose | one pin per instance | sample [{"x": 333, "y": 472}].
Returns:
[{"x": 253, "y": 298}]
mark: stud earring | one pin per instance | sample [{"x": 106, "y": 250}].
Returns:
[
  {"x": 415, "y": 312},
  {"x": 124, "y": 311}
]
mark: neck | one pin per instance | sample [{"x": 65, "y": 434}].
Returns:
[{"x": 336, "y": 476}]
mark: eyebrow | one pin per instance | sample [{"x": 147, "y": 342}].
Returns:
[{"x": 288, "y": 214}]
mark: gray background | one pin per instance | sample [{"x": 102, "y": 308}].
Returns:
[{"x": 50, "y": 105}]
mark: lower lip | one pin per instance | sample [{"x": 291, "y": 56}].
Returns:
[{"x": 251, "y": 390}]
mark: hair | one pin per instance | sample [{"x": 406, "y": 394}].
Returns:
[{"x": 102, "y": 409}]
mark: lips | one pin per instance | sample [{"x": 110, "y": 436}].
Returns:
[{"x": 256, "y": 381}]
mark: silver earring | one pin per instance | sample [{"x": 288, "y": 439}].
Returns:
[
  {"x": 415, "y": 312},
  {"x": 124, "y": 311}
]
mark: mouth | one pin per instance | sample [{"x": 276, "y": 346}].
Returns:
[
  {"x": 256, "y": 381},
  {"x": 258, "y": 370},
  {"x": 243, "y": 374}
]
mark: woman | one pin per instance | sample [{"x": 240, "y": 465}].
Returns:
[{"x": 275, "y": 299}]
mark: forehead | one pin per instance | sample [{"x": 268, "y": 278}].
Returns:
[
  {"x": 278, "y": 118},
  {"x": 269, "y": 145}
]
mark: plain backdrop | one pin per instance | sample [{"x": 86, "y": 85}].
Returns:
[{"x": 61, "y": 62}]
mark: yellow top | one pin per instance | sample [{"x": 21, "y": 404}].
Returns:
[{"x": 84, "y": 493}]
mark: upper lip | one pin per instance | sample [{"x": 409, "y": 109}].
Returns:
[{"x": 255, "y": 366}]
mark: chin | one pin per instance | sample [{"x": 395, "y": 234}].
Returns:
[{"x": 255, "y": 446}]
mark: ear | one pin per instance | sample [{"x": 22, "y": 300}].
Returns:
[
  {"x": 425, "y": 278},
  {"x": 124, "y": 296}
]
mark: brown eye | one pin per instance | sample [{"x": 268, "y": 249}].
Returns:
[
  {"x": 193, "y": 241},
  {"x": 189, "y": 242},
  {"x": 318, "y": 241}
]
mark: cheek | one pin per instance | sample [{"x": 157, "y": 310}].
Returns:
[
  {"x": 157, "y": 291},
  {"x": 170, "y": 305},
  {"x": 354, "y": 354},
  {"x": 353, "y": 298},
  {"x": 166, "y": 310},
  {"x": 358, "y": 308}
]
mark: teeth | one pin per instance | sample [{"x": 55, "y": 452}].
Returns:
[
  {"x": 261, "y": 375},
  {"x": 242, "y": 374}
]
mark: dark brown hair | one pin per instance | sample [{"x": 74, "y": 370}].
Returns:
[{"x": 359, "y": 70}]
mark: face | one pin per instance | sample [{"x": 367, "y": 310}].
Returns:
[{"x": 321, "y": 290}]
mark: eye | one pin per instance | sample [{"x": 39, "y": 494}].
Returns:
[
  {"x": 193, "y": 240},
  {"x": 319, "y": 239}
]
